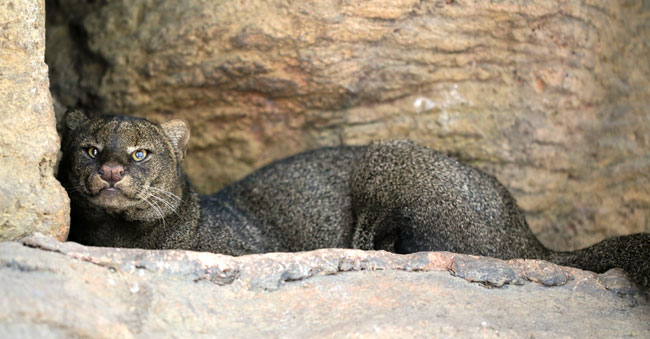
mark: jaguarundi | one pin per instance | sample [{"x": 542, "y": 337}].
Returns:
[{"x": 127, "y": 189}]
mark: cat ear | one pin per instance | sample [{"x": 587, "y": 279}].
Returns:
[
  {"x": 74, "y": 118},
  {"x": 178, "y": 134}
]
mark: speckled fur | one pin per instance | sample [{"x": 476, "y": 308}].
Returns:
[{"x": 396, "y": 196}]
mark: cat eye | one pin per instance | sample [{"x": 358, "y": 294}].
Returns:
[
  {"x": 139, "y": 155},
  {"x": 92, "y": 151}
]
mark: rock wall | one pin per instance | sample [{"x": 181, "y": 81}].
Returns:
[
  {"x": 550, "y": 96},
  {"x": 30, "y": 198},
  {"x": 53, "y": 289}
]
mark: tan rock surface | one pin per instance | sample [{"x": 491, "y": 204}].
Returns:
[
  {"x": 30, "y": 198},
  {"x": 53, "y": 289},
  {"x": 550, "y": 96}
]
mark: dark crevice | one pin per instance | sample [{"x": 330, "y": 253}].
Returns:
[
  {"x": 112, "y": 268},
  {"x": 67, "y": 42}
]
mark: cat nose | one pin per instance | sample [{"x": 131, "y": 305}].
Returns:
[{"x": 111, "y": 172}]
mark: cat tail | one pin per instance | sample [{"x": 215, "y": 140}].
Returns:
[{"x": 629, "y": 252}]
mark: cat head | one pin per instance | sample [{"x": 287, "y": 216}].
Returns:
[{"x": 123, "y": 164}]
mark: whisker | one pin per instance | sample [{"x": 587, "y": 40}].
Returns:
[
  {"x": 156, "y": 209},
  {"x": 169, "y": 194},
  {"x": 74, "y": 188},
  {"x": 171, "y": 207}
]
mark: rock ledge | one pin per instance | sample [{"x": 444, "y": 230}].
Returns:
[{"x": 52, "y": 289}]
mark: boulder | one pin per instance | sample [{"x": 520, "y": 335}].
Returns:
[
  {"x": 30, "y": 197},
  {"x": 550, "y": 96},
  {"x": 54, "y": 289}
]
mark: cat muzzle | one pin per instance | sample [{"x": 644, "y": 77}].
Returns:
[{"x": 111, "y": 173}]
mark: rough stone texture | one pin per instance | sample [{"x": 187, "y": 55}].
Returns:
[
  {"x": 30, "y": 198},
  {"x": 550, "y": 96},
  {"x": 53, "y": 289}
]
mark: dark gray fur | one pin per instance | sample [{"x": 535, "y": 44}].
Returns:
[{"x": 396, "y": 196}]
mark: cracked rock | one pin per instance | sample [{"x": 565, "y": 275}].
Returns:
[{"x": 54, "y": 289}]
